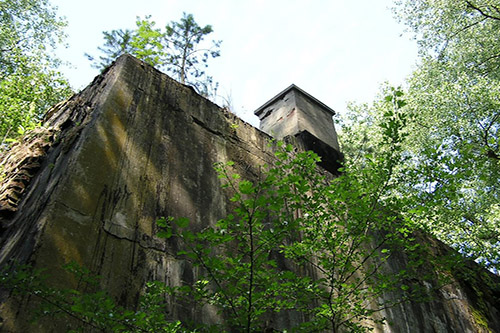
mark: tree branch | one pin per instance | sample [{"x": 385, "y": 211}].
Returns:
[{"x": 482, "y": 12}]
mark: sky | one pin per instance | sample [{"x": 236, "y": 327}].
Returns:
[{"x": 339, "y": 51}]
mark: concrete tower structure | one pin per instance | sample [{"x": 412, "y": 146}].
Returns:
[{"x": 294, "y": 112}]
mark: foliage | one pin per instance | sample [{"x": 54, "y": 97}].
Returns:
[
  {"x": 28, "y": 27},
  {"x": 116, "y": 43},
  {"x": 454, "y": 99},
  {"x": 29, "y": 80},
  {"x": 179, "y": 49},
  {"x": 95, "y": 310},
  {"x": 184, "y": 37}
]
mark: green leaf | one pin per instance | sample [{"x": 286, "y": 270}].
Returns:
[
  {"x": 246, "y": 187},
  {"x": 162, "y": 222},
  {"x": 167, "y": 233},
  {"x": 182, "y": 222}
]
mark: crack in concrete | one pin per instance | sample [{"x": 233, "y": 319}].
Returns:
[
  {"x": 146, "y": 247},
  {"x": 108, "y": 232},
  {"x": 204, "y": 126}
]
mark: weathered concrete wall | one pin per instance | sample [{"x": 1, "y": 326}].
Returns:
[
  {"x": 135, "y": 146},
  {"x": 467, "y": 300}
]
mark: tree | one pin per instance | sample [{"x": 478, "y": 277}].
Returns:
[
  {"x": 147, "y": 43},
  {"x": 27, "y": 28},
  {"x": 116, "y": 43},
  {"x": 29, "y": 80},
  {"x": 184, "y": 36},
  {"x": 454, "y": 99},
  {"x": 178, "y": 49}
]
